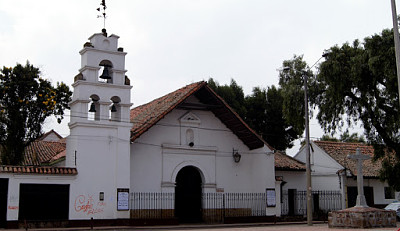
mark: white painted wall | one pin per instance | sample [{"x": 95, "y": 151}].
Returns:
[
  {"x": 14, "y": 188},
  {"x": 99, "y": 147},
  {"x": 378, "y": 190},
  {"x": 159, "y": 154},
  {"x": 324, "y": 176},
  {"x": 293, "y": 180}
]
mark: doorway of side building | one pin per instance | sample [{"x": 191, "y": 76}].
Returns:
[
  {"x": 43, "y": 202},
  {"x": 188, "y": 190},
  {"x": 352, "y": 193},
  {"x": 3, "y": 202}
]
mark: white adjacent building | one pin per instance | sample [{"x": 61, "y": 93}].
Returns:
[{"x": 332, "y": 170}]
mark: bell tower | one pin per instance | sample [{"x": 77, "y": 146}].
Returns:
[{"x": 98, "y": 144}]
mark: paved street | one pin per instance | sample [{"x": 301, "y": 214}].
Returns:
[
  {"x": 234, "y": 227},
  {"x": 297, "y": 227}
]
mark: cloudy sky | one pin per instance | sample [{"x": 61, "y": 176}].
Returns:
[{"x": 172, "y": 43}]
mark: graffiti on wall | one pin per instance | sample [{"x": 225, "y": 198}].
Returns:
[{"x": 87, "y": 205}]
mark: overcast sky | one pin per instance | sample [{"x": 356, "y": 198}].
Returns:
[{"x": 172, "y": 43}]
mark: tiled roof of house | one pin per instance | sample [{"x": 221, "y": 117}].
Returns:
[
  {"x": 145, "y": 116},
  {"x": 37, "y": 158},
  {"x": 47, "y": 170},
  {"x": 43, "y": 152},
  {"x": 339, "y": 151},
  {"x": 284, "y": 162}
]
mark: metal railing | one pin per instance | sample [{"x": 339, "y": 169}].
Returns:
[
  {"x": 215, "y": 206},
  {"x": 295, "y": 203}
]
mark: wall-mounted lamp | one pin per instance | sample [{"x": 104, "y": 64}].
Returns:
[
  {"x": 101, "y": 196},
  {"x": 236, "y": 156}
]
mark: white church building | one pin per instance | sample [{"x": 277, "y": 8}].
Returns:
[{"x": 187, "y": 151}]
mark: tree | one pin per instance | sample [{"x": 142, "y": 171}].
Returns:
[
  {"x": 292, "y": 85},
  {"x": 345, "y": 137},
  {"x": 262, "y": 111},
  {"x": 26, "y": 100},
  {"x": 232, "y": 94},
  {"x": 358, "y": 82}
]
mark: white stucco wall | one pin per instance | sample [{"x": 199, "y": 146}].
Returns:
[
  {"x": 378, "y": 190},
  {"x": 102, "y": 162},
  {"x": 159, "y": 154},
  {"x": 14, "y": 182},
  {"x": 293, "y": 180}
]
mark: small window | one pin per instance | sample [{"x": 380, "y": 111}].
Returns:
[{"x": 389, "y": 193}]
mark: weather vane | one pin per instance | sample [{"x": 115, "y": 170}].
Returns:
[{"x": 103, "y": 4}]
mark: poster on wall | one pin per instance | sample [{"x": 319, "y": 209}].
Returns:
[
  {"x": 271, "y": 197},
  {"x": 122, "y": 199}
]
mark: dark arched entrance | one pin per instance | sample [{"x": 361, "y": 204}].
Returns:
[{"x": 188, "y": 195}]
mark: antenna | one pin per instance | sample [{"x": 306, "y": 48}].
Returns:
[{"x": 103, "y": 4}]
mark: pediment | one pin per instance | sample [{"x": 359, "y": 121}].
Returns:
[{"x": 190, "y": 118}]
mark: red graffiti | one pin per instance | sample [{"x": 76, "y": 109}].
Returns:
[
  {"x": 13, "y": 207},
  {"x": 87, "y": 205}
]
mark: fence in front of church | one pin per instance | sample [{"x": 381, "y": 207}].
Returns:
[
  {"x": 295, "y": 203},
  {"x": 217, "y": 206}
]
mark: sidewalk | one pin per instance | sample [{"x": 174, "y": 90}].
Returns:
[{"x": 283, "y": 226}]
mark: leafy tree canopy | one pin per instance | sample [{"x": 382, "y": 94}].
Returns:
[
  {"x": 358, "y": 82},
  {"x": 292, "y": 85},
  {"x": 262, "y": 111},
  {"x": 345, "y": 137},
  {"x": 26, "y": 100}
]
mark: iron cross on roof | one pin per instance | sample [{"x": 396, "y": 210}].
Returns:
[
  {"x": 361, "y": 202},
  {"x": 103, "y": 4}
]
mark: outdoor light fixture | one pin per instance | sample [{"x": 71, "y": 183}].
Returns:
[
  {"x": 236, "y": 156},
  {"x": 307, "y": 133}
]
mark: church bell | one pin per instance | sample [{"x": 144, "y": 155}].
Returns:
[
  {"x": 113, "y": 108},
  {"x": 92, "y": 108},
  {"x": 106, "y": 74}
]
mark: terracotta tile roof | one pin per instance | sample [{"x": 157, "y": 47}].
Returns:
[
  {"x": 43, "y": 152},
  {"x": 38, "y": 155},
  {"x": 47, "y": 170},
  {"x": 145, "y": 116},
  {"x": 284, "y": 162},
  {"x": 339, "y": 151}
]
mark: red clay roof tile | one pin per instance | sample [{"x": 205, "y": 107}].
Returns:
[
  {"x": 145, "y": 116},
  {"x": 339, "y": 151},
  {"x": 45, "y": 170},
  {"x": 284, "y": 162}
]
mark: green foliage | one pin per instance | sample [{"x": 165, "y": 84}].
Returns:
[
  {"x": 262, "y": 111},
  {"x": 26, "y": 100},
  {"x": 292, "y": 85},
  {"x": 345, "y": 137},
  {"x": 358, "y": 82},
  {"x": 353, "y": 138},
  {"x": 329, "y": 138}
]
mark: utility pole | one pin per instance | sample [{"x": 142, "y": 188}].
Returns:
[
  {"x": 396, "y": 42},
  {"x": 308, "y": 162}
]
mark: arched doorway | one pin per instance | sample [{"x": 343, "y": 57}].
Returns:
[{"x": 188, "y": 195}]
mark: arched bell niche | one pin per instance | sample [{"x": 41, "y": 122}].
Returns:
[
  {"x": 106, "y": 73},
  {"x": 94, "y": 108},
  {"x": 115, "y": 109}
]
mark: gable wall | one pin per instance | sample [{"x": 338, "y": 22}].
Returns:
[{"x": 159, "y": 154}]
